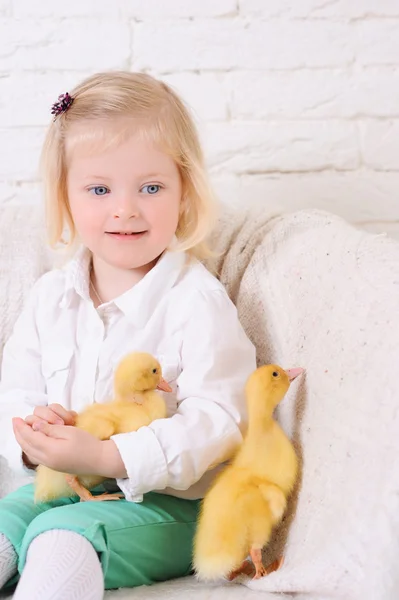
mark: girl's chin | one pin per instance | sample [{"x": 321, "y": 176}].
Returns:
[{"x": 129, "y": 261}]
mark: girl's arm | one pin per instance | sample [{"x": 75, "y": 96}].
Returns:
[
  {"x": 217, "y": 359},
  {"x": 22, "y": 386}
]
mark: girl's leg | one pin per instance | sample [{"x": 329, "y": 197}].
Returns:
[
  {"x": 61, "y": 564},
  {"x": 17, "y": 511},
  {"x": 138, "y": 544},
  {"x": 8, "y": 560}
]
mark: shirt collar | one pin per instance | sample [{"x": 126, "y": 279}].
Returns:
[
  {"x": 141, "y": 300},
  {"x": 77, "y": 277}
]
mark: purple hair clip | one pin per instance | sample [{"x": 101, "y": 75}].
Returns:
[{"x": 64, "y": 102}]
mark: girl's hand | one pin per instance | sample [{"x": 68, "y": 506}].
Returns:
[
  {"x": 69, "y": 449},
  {"x": 59, "y": 447},
  {"x": 54, "y": 414}
]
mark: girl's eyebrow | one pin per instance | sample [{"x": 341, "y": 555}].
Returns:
[
  {"x": 142, "y": 177},
  {"x": 97, "y": 177},
  {"x": 154, "y": 177}
]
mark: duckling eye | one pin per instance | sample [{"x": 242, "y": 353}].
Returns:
[
  {"x": 155, "y": 370},
  {"x": 275, "y": 374}
]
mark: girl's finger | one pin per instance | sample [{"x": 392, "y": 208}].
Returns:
[
  {"x": 26, "y": 436},
  {"x": 22, "y": 442},
  {"x": 47, "y": 414},
  {"x": 68, "y": 416},
  {"x": 52, "y": 431},
  {"x": 31, "y": 419},
  {"x": 17, "y": 422},
  {"x": 20, "y": 431}
]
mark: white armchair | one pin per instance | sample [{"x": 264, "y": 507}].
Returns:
[{"x": 311, "y": 291}]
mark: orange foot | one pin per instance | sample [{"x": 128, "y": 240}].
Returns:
[
  {"x": 101, "y": 497},
  {"x": 246, "y": 568},
  {"x": 256, "y": 572},
  {"x": 260, "y": 570},
  {"x": 85, "y": 495}
]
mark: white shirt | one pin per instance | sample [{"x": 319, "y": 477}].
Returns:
[{"x": 63, "y": 350}]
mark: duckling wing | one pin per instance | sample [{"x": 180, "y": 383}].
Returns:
[
  {"x": 131, "y": 418},
  {"x": 99, "y": 420}
]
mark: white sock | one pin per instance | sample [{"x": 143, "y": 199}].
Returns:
[
  {"x": 8, "y": 560},
  {"x": 61, "y": 565}
]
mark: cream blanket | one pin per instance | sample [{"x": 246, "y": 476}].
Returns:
[{"x": 311, "y": 291}]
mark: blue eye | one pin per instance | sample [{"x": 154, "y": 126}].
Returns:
[
  {"x": 151, "y": 189},
  {"x": 99, "y": 190}
]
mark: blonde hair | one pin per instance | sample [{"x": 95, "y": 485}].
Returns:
[{"x": 157, "y": 113}]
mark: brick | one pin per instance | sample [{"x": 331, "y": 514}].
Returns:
[
  {"x": 374, "y": 92},
  {"x": 227, "y": 44},
  {"x": 153, "y": 9},
  {"x": 377, "y": 42},
  {"x": 253, "y": 147},
  {"x": 356, "y": 196},
  {"x": 380, "y": 144},
  {"x": 72, "y": 8},
  {"x": 319, "y": 8},
  {"x": 180, "y": 47},
  {"x": 205, "y": 93},
  {"x": 19, "y": 153},
  {"x": 67, "y": 44},
  {"x": 287, "y": 94},
  {"x": 181, "y": 9},
  {"x": 314, "y": 93}
]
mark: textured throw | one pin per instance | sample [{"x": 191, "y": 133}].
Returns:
[{"x": 311, "y": 291}]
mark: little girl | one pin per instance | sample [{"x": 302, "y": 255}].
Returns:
[{"x": 125, "y": 180}]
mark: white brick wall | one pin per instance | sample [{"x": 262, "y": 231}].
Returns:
[{"x": 297, "y": 101}]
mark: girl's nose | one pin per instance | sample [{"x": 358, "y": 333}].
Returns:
[{"x": 125, "y": 208}]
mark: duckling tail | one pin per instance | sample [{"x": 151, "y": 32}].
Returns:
[
  {"x": 50, "y": 485},
  {"x": 220, "y": 550}
]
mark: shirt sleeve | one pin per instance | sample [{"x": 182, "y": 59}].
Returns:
[
  {"x": 22, "y": 386},
  {"x": 217, "y": 358}
]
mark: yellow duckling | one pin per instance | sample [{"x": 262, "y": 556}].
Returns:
[
  {"x": 135, "y": 404},
  {"x": 250, "y": 496}
]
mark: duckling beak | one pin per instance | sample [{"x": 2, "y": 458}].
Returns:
[
  {"x": 294, "y": 373},
  {"x": 164, "y": 386}
]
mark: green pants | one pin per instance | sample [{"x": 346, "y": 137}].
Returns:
[{"x": 138, "y": 544}]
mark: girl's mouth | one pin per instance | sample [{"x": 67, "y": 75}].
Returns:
[{"x": 126, "y": 235}]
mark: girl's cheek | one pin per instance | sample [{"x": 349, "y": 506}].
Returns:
[{"x": 88, "y": 224}]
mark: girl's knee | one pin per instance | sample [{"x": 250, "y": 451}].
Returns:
[
  {"x": 42, "y": 523},
  {"x": 54, "y": 519},
  {"x": 64, "y": 519},
  {"x": 45, "y": 533}
]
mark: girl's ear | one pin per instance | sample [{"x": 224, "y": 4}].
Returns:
[{"x": 183, "y": 204}]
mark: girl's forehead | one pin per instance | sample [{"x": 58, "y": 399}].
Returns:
[
  {"x": 99, "y": 137},
  {"x": 119, "y": 156}
]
